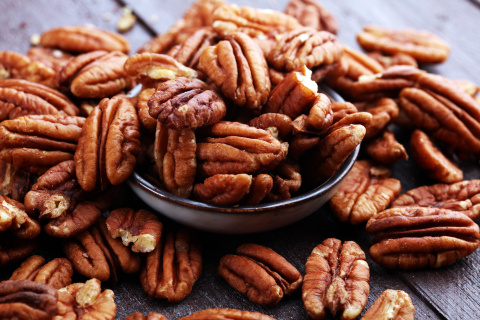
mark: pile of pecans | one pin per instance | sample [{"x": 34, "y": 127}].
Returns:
[{"x": 230, "y": 113}]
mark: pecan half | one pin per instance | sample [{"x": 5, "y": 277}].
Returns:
[
  {"x": 383, "y": 111},
  {"x": 238, "y": 67},
  {"x": 279, "y": 125},
  {"x": 397, "y": 59},
  {"x": 150, "y": 316},
  {"x": 109, "y": 144},
  {"x": 200, "y": 13},
  {"x": 223, "y": 189},
  {"x": 336, "y": 278},
  {"x": 260, "y": 273},
  {"x": 14, "y": 182},
  {"x": 56, "y": 273},
  {"x": 461, "y": 196},
  {"x": 142, "y": 228},
  {"x": 391, "y": 304},
  {"x": 386, "y": 149},
  {"x": 311, "y": 14},
  {"x": 225, "y": 314},
  {"x": 14, "y": 219},
  {"x": 146, "y": 120},
  {"x": 27, "y": 300},
  {"x": 366, "y": 191},
  {"x": 18, "y": 66},
  {"x": 286, "y": 181},
  {"x": 14, "y": 250},
  {"x": 416, "y": 237},
  {"x": 86, "y": 301},
  {"x": 170, "y": 271},
  {"x": 52, "y": 58},
  {"x": 260, "y": 188}
]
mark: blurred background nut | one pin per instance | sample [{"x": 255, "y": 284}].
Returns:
[
  {"x": 150, "y": 316},
  {"x": 391, "y": 304},
  {"x": 15, "y": 182},
  {"x": 18, "y": 66},
  {"x": 225, "y": 314},
  {"x": 310, "y": 13},
  {"x": 14, "y": 250},
  {"x": 53, "y": 58}
]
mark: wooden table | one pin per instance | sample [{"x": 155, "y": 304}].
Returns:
[{"x": 446, "y": 293}]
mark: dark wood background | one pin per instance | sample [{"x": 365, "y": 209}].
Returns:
[{"x": 447, "y": 293}]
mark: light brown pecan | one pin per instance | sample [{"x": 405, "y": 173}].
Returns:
[
  {"x": 336, "y": 278},
  {"x": 391, "y": 304},
  {"x": 461, "y": 196},
  {"x": 424, "y": 46},
  {"x": 397, "y": 59},
  {"x": 287, "y": 180},
  {"x": 150, "y": 316},
  {"x": 383, "y": 111},
  {"x": 416, "y": 237},
  {"x": 253, "y": 22},
  {"x": 56, "y": 273},
  {"x": 109, "y": 144},
  {"x": 14, "y": 219},
  {"x": 436, "y": 165},
  {"x": 27, "y": 300},
  {"x": 305, "y": 46},
  {"x": 200, "y": 13},
  {"x": 141, "y": 228},
  {"x": 19, "y": 66},
  {"x": 95, "y": 254},
  {"x": 467, "y": 86},
  {"x": 320, "y": 116},
  {"x": 232, "y": 147},
  {"x": 14, "y": 182},
  {"x": 366, "y": 191},
  {"x": 238, "y": 67},
  {"x": 83, "y": 39},
  {"x": 171, "y": 270},
  {"x": 342, "y": 109},
  {"x": 52, "y": 58},
  {"x": 279, "y": 125},
  {"x": 14, "y": 250},
  {"x": 260, "y": 187},
  {"x": 186, "y": 103},
  {"x": 38, "y": 142},
  {"x": 86, "y": 301},
  {"x": 311, "y": 14},
  {"x": 146, "y": 120},
  {"x": 223, "y": 189},
  {"x": 225, "y": 314},
  {"x": 385, "y": 149},
  {"x": 260, "y": 273}
]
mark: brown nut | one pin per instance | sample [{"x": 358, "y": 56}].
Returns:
[
  {"x": 150, "y": 316},
  {"x": 83, "y": 39},
  {"x": 336, "y": 278},
  {"x": 225, "y": 314},
  {"x": 394, "y": 304},
  {"x": 14, "y": 219},
  {"x": 27, "y": 300},
  {"x": 109, "y": 144},
  {"x": 171, "y": 270},
  {"x": 383, "y": 111},
  {"x": 14, "y": 182},
  {"x": 146, "y": 120},
  {"x": 223, "y": 189},
  {"x": 397, "y": 59},
  {"x": 287, "y": 180},
  {"x": 17, "y": 66},
  {"x": 424, "y": 46},
  {"x": 260, "y": 188},
  {"x": 238, "y": 67},
  {"x": 366, "y": 191},
  {"x": 311, "y": 14},
  {"x": 14, "y": 250},
  {"x": 260, "y": 273},
  {"x": 86, "y": 301},
  {"x": 279, "y": 125},
  {"x": 185, "y": 103},
  {"x": 385, "y": 149},
  {"x": 200, "y": 13},
  {"x": 52, "y": 58},
  {"x": 461, "y": 196},
  {"x": 417, "y": 237},
  {"x": 141, "y": 228},
  {"x": 56, "y": 273}
]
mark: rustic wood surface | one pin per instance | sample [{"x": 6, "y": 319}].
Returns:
[{"x": 447, "y": 293}]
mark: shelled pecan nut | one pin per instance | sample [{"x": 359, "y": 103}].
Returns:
[
  {"x": 397, "y": 59},
  {"x": 56, "y": 273},
  {"x": 260, "y": 188},
  {"x": 108, "y": 145},
  {"x": 223, "y": 189},
  {"x": 18, "y": 66},
  {"x": 311, "y": 14},
  {"x": 417, "y": 237},
  {"x": 141, "y": 228},
  {"x": 394, "y": 304},
  {"x": 200, "y": 13},
  {"x": 385, "y": 149},
  {"x": 383, "y": 111},
  {"x": 225, "y": 314},
  {"x": 83, "y": 39},
  {"x": 171, "y": 270},
  {"x": 14, "y": 250},
  {"x": 27, "y": 300},
  {"x": 188, "y": 52},
  {"x": 238, "y": 67},
  {"x": 150, "y": 316},
  {"x": 14, "y": 182},
  {"x": 86, "y": 301},
  {"x": 260, "y": 273},
  {"x": 52, "y": 58},
  {"x": 185, "y": 103},
  {"x": 366, "y": 191},
  {"x": 462, "y": 196},
  {"x": 14, "y": 219},
  {"x": 287, "y": 180},
  {"x": 336, "y": 278},
  {"x": 279, "y": 125},
  {"x": 146, "y": 120}
]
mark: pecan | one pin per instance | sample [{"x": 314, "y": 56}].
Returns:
[
  {"x": 175, "y": 158},
  {"x": 170, "y": 271},
  {"x": 311, "y": 14},
  {"x": 260, "y": 273},
  {"x": 83, "y": 39},
  {"x": 225, "y": 314},
  {"x": 286, "y": 181},
  {"x": 86, "y": 301},
  {"x": 18, "y": 66},
  {"x": 37, "y": 142},
  {"x": 366, "y": 191},
  {"x": 141, "y": 228},
  {"x": 397, "y": 59},
  {"x": 14, "y": 219},
  {"x": 95, "y": 254},
  {"x": 422, "y": 45},
  {"x": 109, "y": 144},
  {"x": 150, "y": 316},
  {"x": 223, "y": 189},
  {"x": 342, "y": 109},
  {"x": 383, "y": 111},
  {"x": 467, "y": 86},
  {"x": 185, "y": 103},
  {"x": 461, "y": 196},
  {"x": 232, "y": 147},
  {"x": 386, "y": 149},
  {"x": 336, "y": 278},
  {"x": 14, "y": 182},
  {"x": 416, "y": 237},
  {"x": 391, "y": 304},
  {"x": 52, "y": 58},
  {"x": 146, "y": 120},
  {"x": 259, "y": 189},
  {"x": 56, "y": 273},
  {"x": 188, "y": 52},
  {"x": 238, "y": 67},
  {"x": 279, "y": 125},
  {"x": 200, "y": 13},
  {"x": 27, "y": 300},
  {"x": 436, "y": 165},
  {"x": 14, "y": 250},
  {"x": 253, "y": 22},
  {"x": 321, "y": 114},
  {"x": 305, "y": 46}
]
